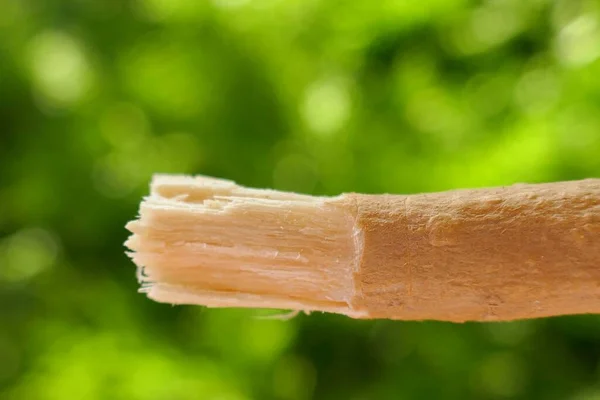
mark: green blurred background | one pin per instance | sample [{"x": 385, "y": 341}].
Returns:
[{"x": 315, "y": 96}]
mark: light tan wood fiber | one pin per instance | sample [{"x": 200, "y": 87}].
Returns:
[{"x": 523, "y": 251}]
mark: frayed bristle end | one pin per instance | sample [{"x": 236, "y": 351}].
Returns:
[{"x": 210, "y": 242}]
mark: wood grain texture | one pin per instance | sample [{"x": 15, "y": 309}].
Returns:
[{"x": 523, "y": 251}]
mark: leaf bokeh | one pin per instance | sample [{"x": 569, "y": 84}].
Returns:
[{"x": 313, "y": 96}]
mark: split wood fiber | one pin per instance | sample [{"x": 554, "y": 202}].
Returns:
[{"x": 523, "y": 251}]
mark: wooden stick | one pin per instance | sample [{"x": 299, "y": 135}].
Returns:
[{"x": 523, "y": 251}]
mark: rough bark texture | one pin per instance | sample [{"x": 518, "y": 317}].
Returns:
[{"x": 522, "y": 251}]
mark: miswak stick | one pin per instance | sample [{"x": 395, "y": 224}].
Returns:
[{"x": 517, "y": 252}]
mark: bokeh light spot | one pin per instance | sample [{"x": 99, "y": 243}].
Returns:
[
  {"x": 326, "y": 106},
  {"x": 60, "y": 70},
  {"x": 27, "y": 253},
  {"x": 501, "y": 375},
  {"x": 434, "y": 112},
  {"x": 264, "y": 339},
  {"x": 494, "y": 24},
  {"x": 537, "y": 90},
  {"x": 579, "y": 42}
]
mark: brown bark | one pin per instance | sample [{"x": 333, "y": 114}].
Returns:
[{"x": 522, "y": 251}]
